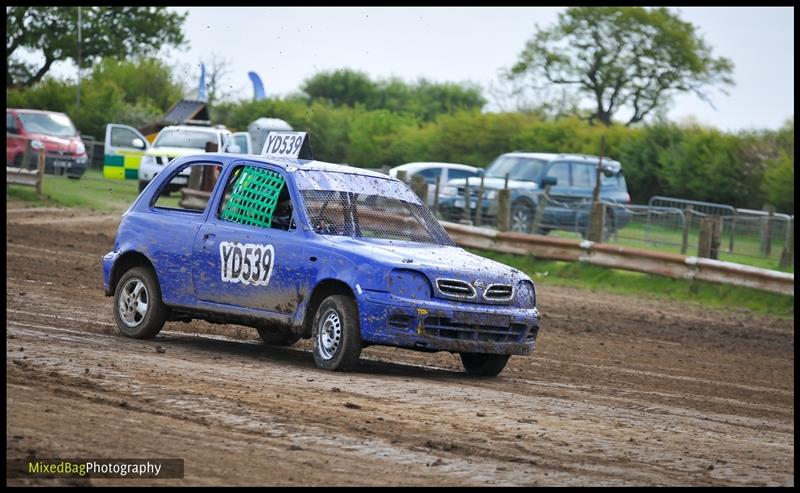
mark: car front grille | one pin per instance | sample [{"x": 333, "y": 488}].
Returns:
[
  {"x": 466, "y": 331},
  {"x": 499, "y": 292},
  {"x": 455, "y": 288}
]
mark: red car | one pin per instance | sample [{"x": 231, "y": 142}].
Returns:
[{"x": 52, "y": 131}]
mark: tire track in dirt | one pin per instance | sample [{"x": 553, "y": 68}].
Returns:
[{"x": 620, "y": 391}]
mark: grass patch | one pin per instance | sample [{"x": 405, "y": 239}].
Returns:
[
  {"x": 91, "y": 192},
  {"x": 597, "y": 278}
]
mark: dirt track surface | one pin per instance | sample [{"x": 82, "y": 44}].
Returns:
[{"x": 620, "y": 391}]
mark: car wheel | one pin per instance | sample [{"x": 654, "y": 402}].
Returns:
[
  {"x": 336, "y": 334},
  {"x": 142, "y": 184},
  {"x": 522, "y": 217},
  {"x": 277, "y": 337},
  {"x": 484, "y": 364},
  {"x": 138, "y": 309},
  {"x": 18, "y": 161}
]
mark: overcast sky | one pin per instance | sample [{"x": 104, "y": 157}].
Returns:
[{"x": 455, "y": 44}]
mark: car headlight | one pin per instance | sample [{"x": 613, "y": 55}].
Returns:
[
  {"x": 148, "y": 161},
  {"x": 80, "y": 148},
  {"x": 37, "y": 145},
  {"x": 407, "y": 283},
  {"x": 526, "y": 295},
  {"x": 491, "y": 194}
]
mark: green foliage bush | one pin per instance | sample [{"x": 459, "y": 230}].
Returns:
[{"x": 376, "y": 124}]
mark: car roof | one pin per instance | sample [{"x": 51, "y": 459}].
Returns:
[
  {"x": 434, "y": 164},
  {"x": 26, "y": 110},
  {"x": 550, "y": 156},
  {"x": 291, "y": 165},
  {"x": 195, "y": 127}
]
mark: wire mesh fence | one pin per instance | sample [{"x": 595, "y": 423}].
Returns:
[{"x": 752, "y": 237}]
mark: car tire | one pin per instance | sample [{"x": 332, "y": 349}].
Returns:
[
  {"x": 277, "y": 337},
  {"x": 336, "y": 334},
  {"x": 522, "y": 214},
  {"x": 136, "y": 287},
  {"x": 489, "y": 365},
  {"x": 18, "y": 160},
  {"x": 142, "y": 185}
]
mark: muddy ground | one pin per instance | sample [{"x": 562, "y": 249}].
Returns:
[{"x": 620, "y": 390}]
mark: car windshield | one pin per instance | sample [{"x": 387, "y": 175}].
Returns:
[
  {"x": 343, "y": 204},
  {"x": 193, "y": 139},
  {"x": 517, "y": 168},
  {"x": 55, "y": 124}
]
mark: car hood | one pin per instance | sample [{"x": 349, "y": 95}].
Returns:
[
  {"x": 492, "y": 183},
  {"x": 173, "y": 151},
  {"x": 53, "y": 143},
  {"x": 435, "y": 261}
]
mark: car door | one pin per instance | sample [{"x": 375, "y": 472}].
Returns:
[
  {"x": 583, "y": 178},
  {"x": 240, "y": 143},
  {"x": 558, "y": 213},
  {"x": 240, "y": 257},
  {"x": 124, "y": 148},
  {"x": 15, "y": 143}
]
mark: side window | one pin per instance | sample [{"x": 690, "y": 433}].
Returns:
[
  {"x": 460, "y": 173},
  {"x": 583, "y": 175},
  {"x": 560, "y": 171},
  {"x": 122, "y": 137},
  {"x": 202, "y": 177},
  {"x": 241, "y": 141},
  {"x": 430, "y": 174},
  {"x": 257, "y": 197},
  {"x": 11, "y": 125}
]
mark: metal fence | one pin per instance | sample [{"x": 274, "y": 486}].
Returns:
[{"x": 669, "y": 224}]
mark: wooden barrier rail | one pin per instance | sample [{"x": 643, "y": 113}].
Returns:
[
  {"x": 627, "y": 258},
  {"x": 28, "y": 177}
]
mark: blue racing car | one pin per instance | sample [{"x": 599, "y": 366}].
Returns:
[{"x": 298, "y": 248}]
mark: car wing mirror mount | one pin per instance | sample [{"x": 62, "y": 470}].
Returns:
[{"x": 549, "y": 181}]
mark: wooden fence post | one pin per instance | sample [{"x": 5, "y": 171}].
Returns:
[
  {"x": 479, "y": 209},
  {"x": 787, "y": 255},
  {"x": 420, "y": 187},
  {"x": 687, "y": 225},
  {"x": 766, "y": 230},
  {"x": 436, "y": 197},
  {"x": 402, "y": 175},
  {"x": 709, "y": 242},
  {"x": 467, "y": 218},
  {"x": 598, "y": 220},
  {"x": 538, "y": 215},
  {"x": 40, "y": 166},
  {"x": 504, "y": 209}
]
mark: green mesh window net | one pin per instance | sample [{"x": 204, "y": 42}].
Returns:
[{"x": 253, "y": 198}]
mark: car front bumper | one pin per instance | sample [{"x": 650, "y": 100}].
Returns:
[{"x": 440, "y": 325}]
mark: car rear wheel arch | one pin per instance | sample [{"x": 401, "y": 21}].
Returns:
[{"x": 126, "y": 262}]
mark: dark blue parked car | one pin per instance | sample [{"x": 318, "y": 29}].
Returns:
[
  {"x": 572, "y": 180},
  {"x": 299, "y": 248}
]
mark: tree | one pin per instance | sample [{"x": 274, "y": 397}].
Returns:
[
  {"x": 342, "y": 87},
  {"x": 51, "y": 32},
  {"x": 623, "y": 57},
  {"x": 424, "y": 99}
]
